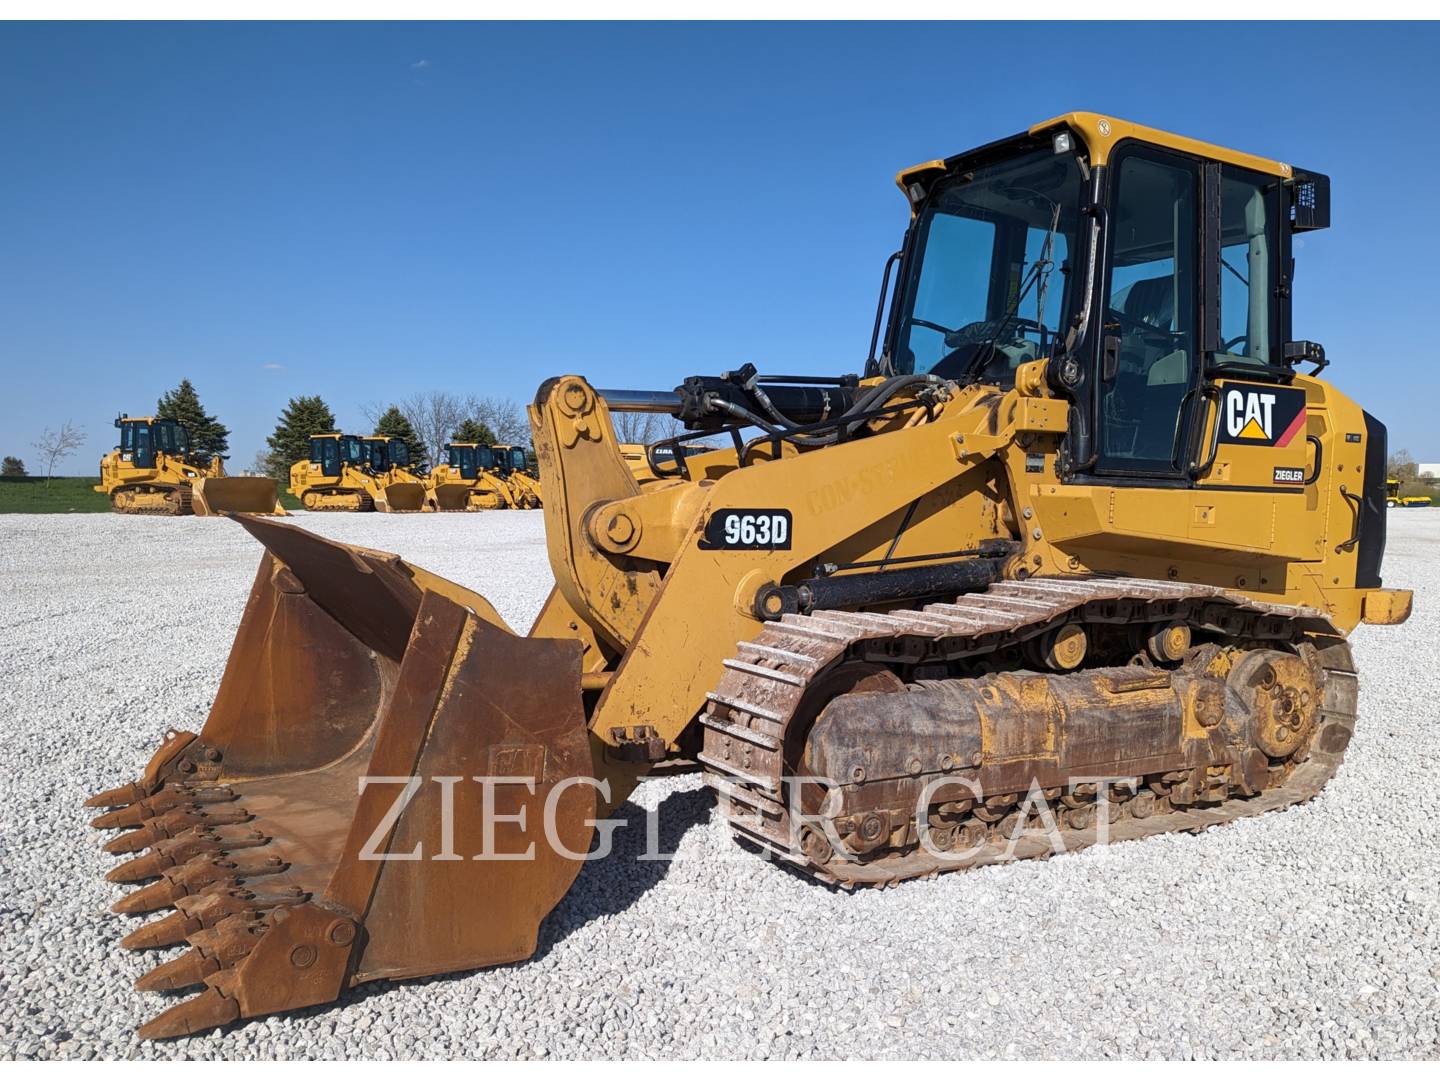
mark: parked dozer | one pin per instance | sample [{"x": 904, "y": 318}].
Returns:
[
  {"x": 357, "y": 473},
  {"x": 514, "y": 469},
  {"x": 1073, "y": 560},
  {"x": 154, "y": 470},
  {"x": 468, "y": 480}
]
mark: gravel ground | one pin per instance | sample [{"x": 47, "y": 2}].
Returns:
[{"x": 1309, "y": 933}]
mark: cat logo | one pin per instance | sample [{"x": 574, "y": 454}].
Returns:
[{"x": 1261, "y": 416}]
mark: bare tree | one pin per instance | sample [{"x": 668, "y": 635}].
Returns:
[
  {"x": 434, "y": 415},
  {"x": 372, "y": 411},
  {"x": 634, "y": 427},
  {"x": 503, "y": 416},
  {"x": 1401, "y": 466},
  {"x": 261, "y": 465},
  {"x": 56, "y": 446}
]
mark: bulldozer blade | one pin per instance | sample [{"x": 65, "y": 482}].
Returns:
[
  {"x": 213, "y": 495},
  {"x": 413, "y": 783}
]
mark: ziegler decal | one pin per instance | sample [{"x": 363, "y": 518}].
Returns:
[
  {"x": 1261, "y": 415},
  {"x": 1283, "y": 475},
  {"x": 747, "y": 530}
]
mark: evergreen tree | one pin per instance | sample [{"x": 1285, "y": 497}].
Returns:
[
  {"x": 208, "y": 437},
  {"x": 12, "y": 466},
  {"x": 392, "y": 422},
  {"x": 476, "y": 431},
  {"x": 302, "y": 417}
]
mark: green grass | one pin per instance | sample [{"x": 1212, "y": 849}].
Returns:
[
  {"x": 62, "y": 495},
  {"x": 69, "y": 495}
]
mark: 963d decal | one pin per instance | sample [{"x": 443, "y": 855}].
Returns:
[{"x": 748, "y": 530}]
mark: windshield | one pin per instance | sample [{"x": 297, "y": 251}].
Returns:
[
  {"x": 350, "y": 450},
  {"x": 992, "y": 273},
  {"x": 517, "y": 458},
  {"x": 171, "y": 437},
  {"x": 399, "y": 453}
]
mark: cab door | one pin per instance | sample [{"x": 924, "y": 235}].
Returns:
[
  {"x": 1149, "y": 364},
  {"x": 143, "y": 452}
]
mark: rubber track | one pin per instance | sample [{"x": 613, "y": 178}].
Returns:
[{"x": 747, "y": 716}]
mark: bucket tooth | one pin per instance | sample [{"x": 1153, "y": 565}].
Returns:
[
  {"x": 193, "y": 914},
  {"x": 187, "y": 969},
  {"x": 207, "y": 1010},
  {"x": 181, "y": 849},
  {"x": 175, "y": 823},
  {"x": 191, "y": 878},
  {"x": 229, "y": 942},
  {"x": 169, "y": 797},
  {"x": 154, "y": 897},
  {"x": 123, "y": 795}
]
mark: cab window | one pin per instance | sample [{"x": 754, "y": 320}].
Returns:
[
  {"x": 1249, "y": 224},
  {"x": 989, "y": 282},
  {"x": 1149, "y": 360}
]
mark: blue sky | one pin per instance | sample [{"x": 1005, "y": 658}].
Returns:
[{"x": 362, "y": 211}]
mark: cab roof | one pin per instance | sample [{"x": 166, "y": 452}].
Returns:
[{"x": 1101, "y": 133}]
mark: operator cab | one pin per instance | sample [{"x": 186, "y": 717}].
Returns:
[
  {"x": 510, "y": 459},
  {"x": 469, "y": 459},
  {"x": 1145, "y": 266},
  {"x": 381, "y": 452},
  {"x": 331, "y": 452},
  {"x": 142, "y": 437}
]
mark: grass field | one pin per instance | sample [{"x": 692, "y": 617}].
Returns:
[
  {"x": 62, "y": 495},
  {"x": 67, "y": 495}
]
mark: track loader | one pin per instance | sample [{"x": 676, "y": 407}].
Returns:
[
  {"x": 469, "y": 479},
  {"x": 1073, "y": 560},
  {"x": 357, "y": 473},
  {"x": 514, "y": 469},
  {"x": 154, "y": 471}
]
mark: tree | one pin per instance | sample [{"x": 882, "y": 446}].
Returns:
[
  {"x": 502, "y": 416},
  {"x": 12, "y": 466},
  {"x": 634, "y": 427},
  {"x": 394, "y": 423},
  {"x": 474, "y": 431},
  {"x": 1401, "y": 466},
  {"x": 433, "y": 416},
  {"x": 301, "y": 418},
  {"x": 56, "y": 446},
  {"x": 208, "y": 437}
]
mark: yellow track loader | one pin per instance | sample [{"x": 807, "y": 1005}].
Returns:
[
  {"x": 352, "y": 472},
  {"x": 1073, "y": 560},
  {"x": 154, "y": 471},
  {"x": 468, "y": 480},
  {"x": 513, "y": 468}
]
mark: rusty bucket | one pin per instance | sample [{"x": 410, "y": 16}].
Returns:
[{"x": 386, "y": 787}]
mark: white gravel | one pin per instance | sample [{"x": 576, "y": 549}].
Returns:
[{"x": 1309, "y": 933}]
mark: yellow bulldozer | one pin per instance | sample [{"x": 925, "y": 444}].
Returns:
[
  {"x": 154, "y": 470},
  {"x": 358, "y": 473},
  {"x": 1072, "y": 560},
  {"x": 469, "y": 479}
]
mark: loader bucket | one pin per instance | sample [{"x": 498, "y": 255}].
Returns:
[
  {"x": 452, "y": 496},
  {"x": 386, "y": 787},
  {"x": 403, "y": 496},
  {"x": 214, "y": 495}
]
